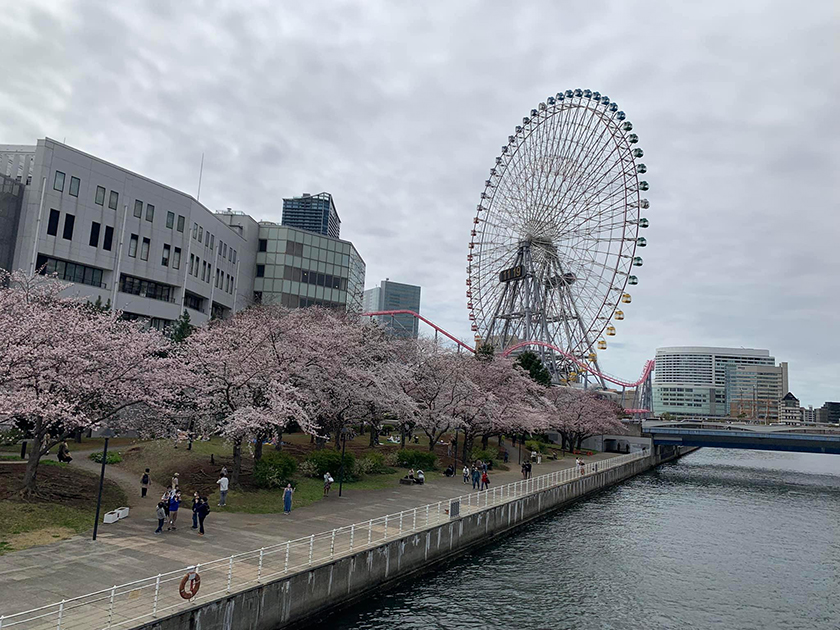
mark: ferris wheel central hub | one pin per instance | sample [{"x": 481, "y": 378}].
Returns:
[{"x": 556, "y": 231}]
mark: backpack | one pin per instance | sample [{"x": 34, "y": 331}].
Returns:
[{"x": 145, "y": 479}]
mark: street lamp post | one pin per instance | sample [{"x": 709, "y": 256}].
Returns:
[{"x": 106, "y": 433}]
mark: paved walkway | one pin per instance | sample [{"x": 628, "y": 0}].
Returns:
[{"x": 128, "y": 550}]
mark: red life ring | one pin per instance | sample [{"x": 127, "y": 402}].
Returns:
[{"x": 194, "y": 581}]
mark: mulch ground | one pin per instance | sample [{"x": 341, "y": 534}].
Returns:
[{"x": 63, "y": 485}]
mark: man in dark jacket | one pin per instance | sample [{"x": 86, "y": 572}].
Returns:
[{"x": 203, "y": 510}]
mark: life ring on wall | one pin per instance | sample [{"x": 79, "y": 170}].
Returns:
[{"x": 191, "y": 580}]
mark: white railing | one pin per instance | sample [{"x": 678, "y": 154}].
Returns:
[{"x": 125, "y": 605}]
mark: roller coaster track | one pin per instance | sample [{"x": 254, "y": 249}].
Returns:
[{"x": 646, "y": 371}]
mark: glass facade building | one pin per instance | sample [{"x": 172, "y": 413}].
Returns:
[
  {"x": 395, "y": 296},
  {"x": 313, "y": 213},
  {"x": 296, "y": 268}
]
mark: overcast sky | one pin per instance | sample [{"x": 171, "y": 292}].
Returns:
[{"x": 399, "y": 109}]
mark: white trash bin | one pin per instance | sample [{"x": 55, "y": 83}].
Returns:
[
  {"x": 111, "y": 517},
  {"x": 122, "y": 512}
]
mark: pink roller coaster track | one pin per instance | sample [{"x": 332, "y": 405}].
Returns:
[{"x": 649, "y": 365}]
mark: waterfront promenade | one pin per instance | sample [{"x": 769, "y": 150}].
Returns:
[{"x": 128, "y": 550}]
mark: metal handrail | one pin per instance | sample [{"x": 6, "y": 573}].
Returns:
[{"x": 122, "y": 605}]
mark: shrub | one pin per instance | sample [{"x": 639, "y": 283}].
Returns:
[
  {"x": 416, "y": 459},
  {"x": 274, "y": 470},
  {"x": 372, "y": 464},
  {"x": 329, "y": 460},
  {"x": 533, "y": 445},
  {"x": 486, "y": 456},
  {"x": 112, "y": 458},
  {"x": 308, "y": 469}
]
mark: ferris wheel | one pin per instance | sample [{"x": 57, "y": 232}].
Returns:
[{"x": 554, "y": 237}]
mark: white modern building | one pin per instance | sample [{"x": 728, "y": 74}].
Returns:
[
  {"x": 148, "y": 249},
  {"x": 692, "y": 380}
]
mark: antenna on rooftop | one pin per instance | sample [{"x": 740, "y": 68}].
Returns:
[{"x": 200, "y": 172}]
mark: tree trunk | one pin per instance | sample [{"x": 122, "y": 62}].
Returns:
[
  {"x": 279, "y": 445},
  {"x": 485, "y": 442},
  {"x": 501, "y": 441},
  {"x": 374, "y": 436},
  {"x": 402, "y": 437},
  {"x": 431, "y": 442},
  {"x": 338, "y": 440},
  {"x": 258, "y": 448},
  {"x": 29, "y": 478},
  {"x": 237, "y": 462},
  {"x": 467, "y": 447}
]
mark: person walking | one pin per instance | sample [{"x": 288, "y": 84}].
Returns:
[
  {"x": 164, "y": 498},
  {"x": 466, "y": 472},
  {"x": 287, "y": 498},
  {"x": 485, "y": 481},
  {"x": 223, "y": 484},
  {"x": 174, "y": 504},
  {"x": 161, "y": 517},
  {"x": 196, "y": 502},
  {"x": 328, "y": 481},
  {"x": 175, "y": 482},
  {"x": 528, "y": 470},
  {"x": 203, "y": 511},
  {"x": 524, "y": 470},
  {"x": 145, "y": 480},
  {"x": 539, "y": 458}
]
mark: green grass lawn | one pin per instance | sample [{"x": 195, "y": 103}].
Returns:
[{"x": 307, "y": 492}]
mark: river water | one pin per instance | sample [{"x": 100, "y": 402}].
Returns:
[{"x": 720, "y": 539}]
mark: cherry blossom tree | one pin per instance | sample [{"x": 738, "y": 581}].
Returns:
[
  {"x": 579, "y": 414},
  {"x": 237, "y": 386},
  {"x": 65, "y": 366}
]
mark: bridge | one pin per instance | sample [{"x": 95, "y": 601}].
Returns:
[
  {"x": 642, "y": 390},
  {"x": 762, "y": 437}
]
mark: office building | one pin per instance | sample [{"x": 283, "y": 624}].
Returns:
[
  {"x": 789, "y": 410},
  {"x": 809, "y": 414},
  {"x": 829, "y": 412},
  {"x": 148, "y": 249},
  {"x": 754, "y": 391},
  {"x": 395, "y": 296},
  {"x": 296, "y": 268},
  {"x": 313, "y": 213},
  {"x": 692, "y": 380}
]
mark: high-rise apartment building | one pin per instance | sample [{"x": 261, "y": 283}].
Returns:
[
  {"x": 395, "y": 296},
  {"x": 692, "y": 380},
  {"x": 313, "y": 213},
  {"x": 153, "y": 251}
]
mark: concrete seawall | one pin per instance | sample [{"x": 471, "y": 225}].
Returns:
[{"x": 303, "y": 597}]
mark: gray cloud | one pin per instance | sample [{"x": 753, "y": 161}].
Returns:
[{"x": 399, "y": 110}]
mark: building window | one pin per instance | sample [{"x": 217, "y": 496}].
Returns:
[
  {"x": 132, "y": 246},
  {"x": 295, "y": 249},
  {"x": 75, "y": 182},
  {"x": 109, "y": 238},
  {"x": 170, "y": 220},
  {"x": 216, "y": 284},
  {"x": 80, "y": 274},
  {"x": 165, "y": 258},
  {"x": 193, "y": 301},
  {"x": 114, "y": 200},
  {"x": 224, "y": 251},
  {"x": 52, "y": 224},
  {"x": 144, "y": 249},
  {"x": 192, "y": 264},
  {"x": 233, "y": 258},
  {"x": 176, "y": 258},
  {"x": 203, "y": 270},
  {"x": 263, "y": 245},
  {"x": 195, "y": 230},
  {"x": 138, "y": 208},
  {"x": 212, "y": 241},
  {"x": 181, "y": 220},
  {"x": 100, "y": 196},
  {"x": 209, "y": 272},
  {"x": 227, "y": 283},
  {"x": 260, "y": 271},
  {"x": 150, "y": 212},
  {"x": 69, "y": 222},
  {"x": 58, "y": 182},
  {"x": 144, "y": 288},
  {"x": 200, "y": 233},
  {"x": 207, "y": 238},
  {"x": 94, "y": 234}
]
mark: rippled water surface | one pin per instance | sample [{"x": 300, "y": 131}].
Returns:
[{"x": 721, "y": 539}]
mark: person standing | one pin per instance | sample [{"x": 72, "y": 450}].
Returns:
[
  {"x": 524, "y": 470},
  {"x": 539, "y": 458},
  {"x": 476, "y": 478},
  {"x": 528, "y": 470},
  {"x": 203, "y": 511},
  {"x": 287, "y": 498},
  {"x": 328, "y": 481},
  {"x": 223, "y": 484},
  {"x": 161, "y": 517},
  {"x": 466, "y": 472},
  {"x": 164, "y": 498},
  {"x": 196, "y": 502},
  {"x": 175, "y": 482},
  {"x": 145, "y": 480},
  {"x": 485, "y": 481},
  {"x": 174, "y": 504}
]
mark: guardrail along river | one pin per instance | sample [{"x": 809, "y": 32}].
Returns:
[{"x": 719, "y": 539}]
